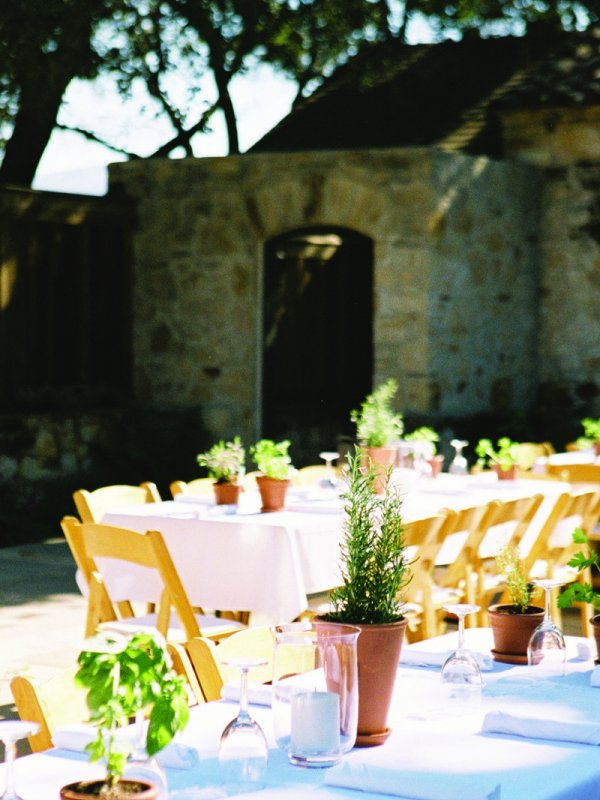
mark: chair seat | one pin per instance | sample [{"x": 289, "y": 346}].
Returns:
[{"x": 211, "y": 627}]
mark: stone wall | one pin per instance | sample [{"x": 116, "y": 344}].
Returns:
[{"x": 455, "y": 273}]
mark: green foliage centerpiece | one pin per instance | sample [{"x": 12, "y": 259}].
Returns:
[
  {"x": 124, "y": 678},
  {"x": 275, "y": 465},
  {"x": 225, "y": 463},
  {"x": 374, "y": 570}
]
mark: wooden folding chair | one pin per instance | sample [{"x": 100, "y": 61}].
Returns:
[
  {"x": 424, "y": 539},
  {"x": 575, "y": 473},
  {"x": 505, "y": 522},
  {"x": 553, "y": 546},
  {"x": 91, "y": 506},
  {"x": 102, "y": 542},
  {"x": 197, "y": 486},
  {"x": 51, "y": 703}
]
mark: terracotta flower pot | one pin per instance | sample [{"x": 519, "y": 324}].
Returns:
[
  {"x": 381, "y": 458},
  {"x": 272, "y": 492},
  {"x": 595, "y": 623},
  {"x": 125, "y": 790},
  {"x": 436, "y": 463},
  {"x": 512, "y": 632},
  {"x": 378, "y": 652},
  {"x": 227, "y": 494},
  {"x": 597, "y": 448},
  {"x": 505, "y": 474}
]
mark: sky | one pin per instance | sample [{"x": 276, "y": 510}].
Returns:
[{"x": 72, "y": 163}]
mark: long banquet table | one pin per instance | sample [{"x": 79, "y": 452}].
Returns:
[
  {"x": 269, "y": 564},
  {"x": 441, "y": 752}
]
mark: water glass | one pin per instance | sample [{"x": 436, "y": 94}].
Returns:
[{"x": 315, "y": 691}]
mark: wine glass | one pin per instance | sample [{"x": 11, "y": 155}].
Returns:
[
  {"x": 546, "y": 649},
  {"x": 141, "y": 766},
  {"x": 458, "y": 465},
  {"x": 243, "y": 750},
  {"x": 11, "y": 730},
  {"x": 329, "y": 457},
  {"x": 461, "y": 675}
]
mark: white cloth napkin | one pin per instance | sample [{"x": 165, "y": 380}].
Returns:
[
  {"x": 582, "y": 731},
  {"x": 259, "y": 694},
  {"x": 427, "y": 658},
  {"x": 371, "y": 771},
  {"x": 75, "y": 738}
]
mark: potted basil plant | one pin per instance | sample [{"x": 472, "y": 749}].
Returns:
[
  {"x": 583, "y": 591},
  {"x": 426, "y": 439},
  {"x": 374, "y": 570},
  {"x": 275, "y": 467},
  {"x": 591, "y": 431},
  {"x": 225, "y": 463},
  {"x": 124, "y": 677},
  {"x": 503, "y": 458}
]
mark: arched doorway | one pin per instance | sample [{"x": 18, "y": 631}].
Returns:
[{"x": 317, "y": 336}]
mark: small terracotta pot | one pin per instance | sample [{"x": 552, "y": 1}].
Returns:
[
  {"x": 227, "y": 494},
  {"x": 597, "y": 448},
  {"x": 378, "y": 652},
  {"x": 595, "y": 623},
  {"x": 381, "y": 459},
  {"x": 436, "y": 463},
  {"x": 125, "y": 790},
  {"x": 505, "y": 474},
  {"x": 512, "y": 632},
  {"x": 272, "y": 492}
]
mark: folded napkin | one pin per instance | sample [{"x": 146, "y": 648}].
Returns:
[
  {"x": 582, "y": 731},
  {"x": 375, "y": 772},
  {"x": 259, "y": 694},
  {"x": 76, "y": 737},
  {"x": 427, "y": 658}
]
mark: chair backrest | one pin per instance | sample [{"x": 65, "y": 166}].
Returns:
[
  {"x": 142, "y": 550},
  {"x": 506, "y": 522},
  {"x": 196, "y": 486},
  {"x": 104, "y": 611},
  {"x": 529, "y": 452},
  {"x": 575, "y": 473},
  {"x": 206, "y": 659},
  {"x": 91, "y": 506},
  {"x": 313, "y": 474},
  {"x": 460, "y": 553},
  {"x": 51, "y": 703}
]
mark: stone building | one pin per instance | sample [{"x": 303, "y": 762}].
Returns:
[{"x": 432, "y": 213}]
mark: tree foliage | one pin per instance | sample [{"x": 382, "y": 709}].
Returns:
[{"x": 46, "y": 44}]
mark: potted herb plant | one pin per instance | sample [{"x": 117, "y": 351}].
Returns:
[
  {"x": 591, "y": 431},
  {"x": 124, "y": 677},
  {"x": 275, "y": 467},
  {"x": 513, "y": 623},
  {"x": 225, "y": 462},
  {"x": 427, "y": 439},
  {"x": 583, "y": 591},
  {"x": 377, "y": 426},
  {"x": 503, "y": 458},
  {"x": 374, "y": 571}
]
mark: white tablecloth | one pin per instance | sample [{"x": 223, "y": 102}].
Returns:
[
  {"x": 263, "y": 563},
  {"x": 426, "y": 738}
]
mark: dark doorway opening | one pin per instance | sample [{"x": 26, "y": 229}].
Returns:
[{"x": 317, "y": 337}]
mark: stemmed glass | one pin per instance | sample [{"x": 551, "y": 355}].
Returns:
[
  {"x": 11, "y": 730},
  {"x": 461, "y": 675},
  {"x": 329, "y": 457},
  {"x": 243, "y": 749},
  {"x": 458, "y": 465},
  {"x": 547, "y": 649}
]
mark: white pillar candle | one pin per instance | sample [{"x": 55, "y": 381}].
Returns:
[{"x": 315, "y": 723}]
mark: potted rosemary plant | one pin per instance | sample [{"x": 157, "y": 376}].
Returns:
[
  {"x": 124, "y": 677},
  {"x": 275, "y": 466},
  {"x": 225, "y": 462},
  {"x": 503, "y": 458},
  {"x": 377, "y": 426},
  {"x": 513, "y": 623},
  {"x": 375, "y": 570}
]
